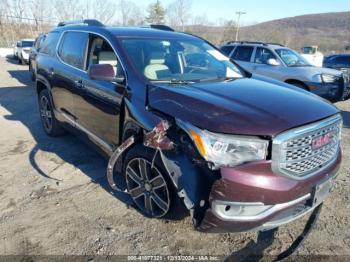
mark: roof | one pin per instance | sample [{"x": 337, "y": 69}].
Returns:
[{"x": 129, "y": 31}]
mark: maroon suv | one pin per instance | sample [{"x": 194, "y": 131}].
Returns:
[{"x": 181, "y": 122}]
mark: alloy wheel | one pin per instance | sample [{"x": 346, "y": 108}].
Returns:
[
  {"x": 147, "y": 187},
  {"x": 46, "y": 113}
]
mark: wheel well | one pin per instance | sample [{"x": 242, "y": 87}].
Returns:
[
  {"x": 40, "y": 87},
  {"x": 297, "y": 82}
]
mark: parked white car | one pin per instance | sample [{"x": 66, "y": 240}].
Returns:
[{"x": 22, "y": 49}]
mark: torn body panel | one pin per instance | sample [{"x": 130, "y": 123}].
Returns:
[{"x": 192, "y": 181}]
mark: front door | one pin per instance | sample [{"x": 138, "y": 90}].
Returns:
[{"x": 98, "y": 105}]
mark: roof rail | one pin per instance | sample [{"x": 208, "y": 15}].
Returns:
[
  {"x": 160, "y": 27},
  {"x": 275, "y": 44},
  {"x": 252, "y": 42},
  {"x": 89, "y": 22},
  {"x": 245, "y": 42}
]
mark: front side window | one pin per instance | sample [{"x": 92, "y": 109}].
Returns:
[
  {"x": 101, "y": 52},
  {"x": 243, "y": 53},
  {"x": 49, "y": 43},
  {"x": 179, "y": 60},
  {"x": 72, "y": 48},
  {"x": 263, "y": 55},
  {"x": 292, "y": 58}
]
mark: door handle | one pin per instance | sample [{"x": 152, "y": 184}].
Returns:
[{"x": 79, "y": 84}]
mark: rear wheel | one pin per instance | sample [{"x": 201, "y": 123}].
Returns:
[
  {"x": 149, "y": 186},
  {"x": 50, "y": 123}
]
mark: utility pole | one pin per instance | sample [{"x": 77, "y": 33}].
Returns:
[{"x": 239, "y": 14}]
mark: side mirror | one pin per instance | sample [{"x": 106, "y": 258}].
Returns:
[
  {"x": 273, "y": 62},
  {"x": 104, "y": 72}
]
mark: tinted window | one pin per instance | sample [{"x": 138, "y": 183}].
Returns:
[
  {"x": 39, "y": 42},
  {"x": 263, "y": 55},
  {"x": 227, "y": 50},
  {"x": 49, "y": 43},
  {"x": 243, "y": 53},
  {"x": 27, "y": 43},
  {"x": 343, "y": 60},
  {"x": 72, "y": 48}
]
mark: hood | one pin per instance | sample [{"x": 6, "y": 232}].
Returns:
[
  {"x": 243, "y": 106},
  {"x": 313, "y": 70}
]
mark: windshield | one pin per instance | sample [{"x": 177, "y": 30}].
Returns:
[
  {"x": 179, "y": 60},
  {"x": 292, "y": 58},
  {"x": 27, "y": 43}
]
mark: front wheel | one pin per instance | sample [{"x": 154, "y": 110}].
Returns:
[
  {"x": 149, "y": 186},
  {"x": 50, "y": 123}
]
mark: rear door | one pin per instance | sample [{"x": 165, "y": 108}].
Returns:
[
  {"x": 98, "y": 104},
  {"x": 243, "y": 56}
]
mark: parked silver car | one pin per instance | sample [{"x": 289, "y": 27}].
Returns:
[{"x": 284, "y": 64}]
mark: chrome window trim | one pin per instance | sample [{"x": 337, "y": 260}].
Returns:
[{"x": 293, "y": 133}]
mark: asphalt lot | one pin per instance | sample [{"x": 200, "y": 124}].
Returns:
[{"x": 54, "y": 198}]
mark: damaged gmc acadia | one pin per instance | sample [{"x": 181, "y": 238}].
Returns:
[{"x": 179, "y": 121}]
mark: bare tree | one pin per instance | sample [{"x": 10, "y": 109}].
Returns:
[
  {"x": 179, "y": 13},
  {"x": 130, "y": 13},
  {"x": 103, "y": 10}
]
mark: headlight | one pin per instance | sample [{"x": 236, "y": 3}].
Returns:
[
  {"x": 226, "y": 150},
  {"x": 329, "y": 78}
]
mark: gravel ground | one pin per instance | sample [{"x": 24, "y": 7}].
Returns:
[{"x": 54, "y": 198}]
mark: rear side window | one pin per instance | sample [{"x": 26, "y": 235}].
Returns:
[
  {"x": 227, "y": 50},
  {"x": 243, "y": 53},
  {"x": 72, "y": 48},
  {"x": 49, "y": 43},
  {"x": 345, "y": 60}
]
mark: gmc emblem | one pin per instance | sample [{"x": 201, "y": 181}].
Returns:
[{"x": 321, "y": 141}]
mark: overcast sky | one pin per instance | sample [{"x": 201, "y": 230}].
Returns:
[{"x": 260, "y": 10}]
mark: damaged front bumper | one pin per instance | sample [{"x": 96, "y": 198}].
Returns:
[{"x": 252, "y": 198}]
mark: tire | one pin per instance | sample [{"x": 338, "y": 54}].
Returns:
[
  {"x": 50, "y": 123},
  {"x": 151, "y": 190}
]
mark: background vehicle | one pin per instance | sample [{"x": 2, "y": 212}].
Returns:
[
  {"x": 22, "y": 50},
  {"x": 15, "y": 49},
  {"x": 188, "y": 124},
  {"x": 33, "y": 54},
  {"x": 286, "y": 65},
  {"x": 340, "y": 62},
  {"x": 312, "y": 55}
]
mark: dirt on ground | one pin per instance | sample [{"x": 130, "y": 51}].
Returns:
[{"x": 55, "y": 199}]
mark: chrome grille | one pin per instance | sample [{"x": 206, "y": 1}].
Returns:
[{"x": 294, "y": 152}]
